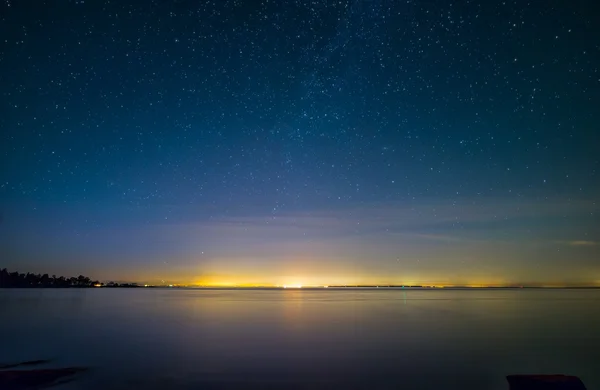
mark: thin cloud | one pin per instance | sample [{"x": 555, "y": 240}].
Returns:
[{"x": 582, "y": 243}]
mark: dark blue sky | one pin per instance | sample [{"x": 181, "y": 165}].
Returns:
[{"x": 298, "y": 141}]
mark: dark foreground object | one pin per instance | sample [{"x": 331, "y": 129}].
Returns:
[
  {"x": 44, "y": 378},
  {"x": 36, "y": 379},
  {"x": 545, "y": 382}
]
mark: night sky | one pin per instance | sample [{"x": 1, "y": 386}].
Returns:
[{"x": 301, "y": 142}]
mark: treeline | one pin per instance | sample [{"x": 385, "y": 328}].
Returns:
[{"x": 15, "y": 279}]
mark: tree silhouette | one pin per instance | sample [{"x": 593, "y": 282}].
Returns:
[{"x": 29, "y": 280}]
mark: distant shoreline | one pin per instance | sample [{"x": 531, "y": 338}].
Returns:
[
  {"x": 428, "y": 288},
  {"x": 385, "y": 288},
  {"x": 31, "y": 280},
  {"x": 307, "y": 288},
  {"x": 333, "y": 288}
]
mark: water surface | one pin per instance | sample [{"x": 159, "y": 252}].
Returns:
[{"x": 371, "y": 339}]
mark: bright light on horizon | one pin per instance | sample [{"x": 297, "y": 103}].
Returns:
[{"x": 292, "y": 286}]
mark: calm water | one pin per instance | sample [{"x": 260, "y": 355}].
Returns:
[{"x": 183, "y": 339}]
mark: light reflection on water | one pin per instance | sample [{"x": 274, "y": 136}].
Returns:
[{"x": 300, "y": 338}]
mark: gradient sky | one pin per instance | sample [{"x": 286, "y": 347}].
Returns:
[{"x": 301, "y": 142}]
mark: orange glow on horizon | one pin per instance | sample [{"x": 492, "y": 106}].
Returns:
[{"x": 317, "y": 276}]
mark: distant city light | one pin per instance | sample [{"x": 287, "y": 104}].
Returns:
[{"x": 292, "y": 286}]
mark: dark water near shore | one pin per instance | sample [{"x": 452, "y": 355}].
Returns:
[{"x": 184, "y": 339}]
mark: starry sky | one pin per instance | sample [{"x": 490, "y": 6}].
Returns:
[{"x": 233, "y": 142}]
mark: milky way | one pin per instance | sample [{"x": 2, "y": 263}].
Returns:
[{"x": 270, "y": 141}]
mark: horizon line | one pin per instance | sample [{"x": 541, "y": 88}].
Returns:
[{"x": 367, "y": 286}]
